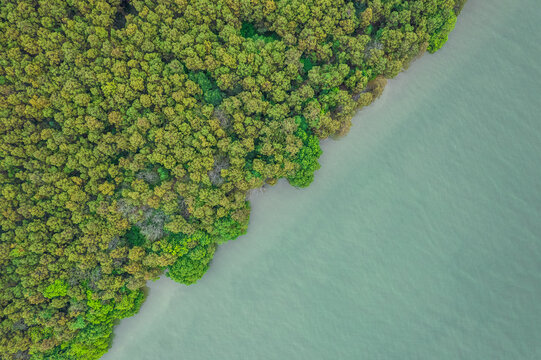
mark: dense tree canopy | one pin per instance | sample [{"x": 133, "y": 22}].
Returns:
[{"x": 132, "y": 131}]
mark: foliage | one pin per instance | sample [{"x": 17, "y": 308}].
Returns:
[
  {"x": 58, "y": 288},
  {"x": 132, "y": 131},
  {"x": 439, "y": 38},
  {"x": 306, "y": 158},
  {"x": 225, "y": 229},
  {"x": 190, "y": 267},
  {"x": 134, "y": 237}
]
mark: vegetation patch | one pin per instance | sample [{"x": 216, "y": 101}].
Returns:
[{"x": 132, "y": 132}]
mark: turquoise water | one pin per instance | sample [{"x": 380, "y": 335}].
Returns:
[{"x": 420, "y": 237}]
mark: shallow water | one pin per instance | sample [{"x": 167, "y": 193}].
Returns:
[{"x": 420, "y": 237}]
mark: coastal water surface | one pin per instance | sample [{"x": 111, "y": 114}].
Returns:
[{"x": 420, "y": 237}]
